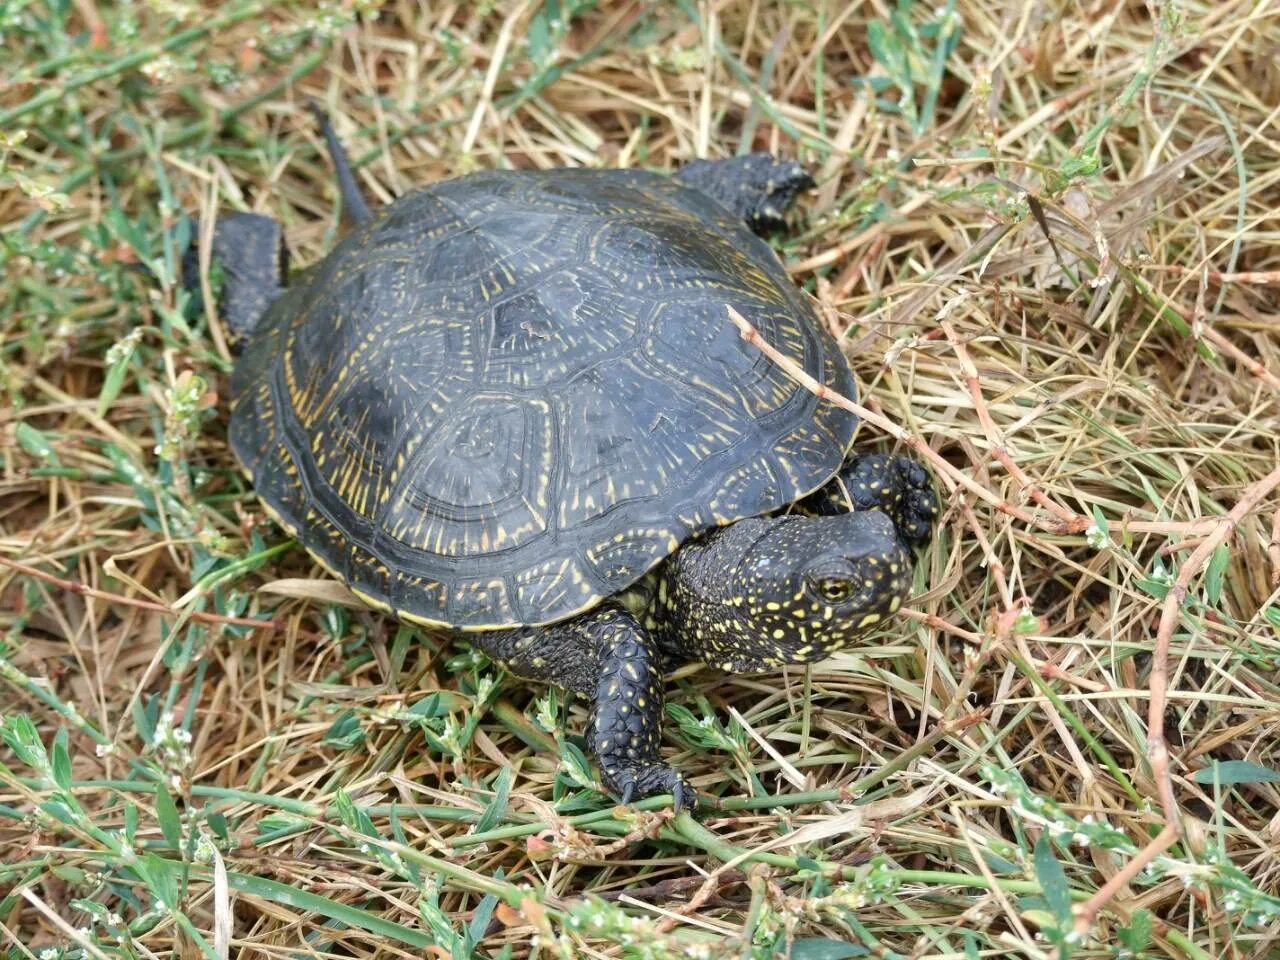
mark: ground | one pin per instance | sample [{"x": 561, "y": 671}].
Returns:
[{"x": 1046, "y": 235}]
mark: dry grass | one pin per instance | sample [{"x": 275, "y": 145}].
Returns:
[{"x": 1048, "y": 233}]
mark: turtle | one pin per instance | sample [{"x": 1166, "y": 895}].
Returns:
[{"x": 512, "y": 405}]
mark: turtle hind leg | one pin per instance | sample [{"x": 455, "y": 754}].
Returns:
[
  {"x": 249, "y": 250},
  {"x": 897, "y": 486},
  {"x": 607, "y": 656},
  {"x": 354, "y": 207},
  {"x": 756, "y": 187}
]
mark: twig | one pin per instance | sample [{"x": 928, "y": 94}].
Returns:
[
  {"x": 849, "y": 276},
  {"x": 1178, "y": 546},
  {"x": 823, "y": 392},
  {"x": 1273, "y": 550},
  {"x": 1259, "y": 277},
  {"x": 1172, "y": 528},
  {"x": 708, "y": 889},
  {"x": 993, "y": 565},
  {"x": 677, "y": 888},
  {"x": 1255, "y": 367},
  {"x": 1202, "y": 330},
  {"x": 61, "y": 924},
  {"x": 1087, "y": 912},
  {"x": 1051, "y": 671},
  {"x": 74, "y": 586},
  {"x": 937, "y": 623},
  {"x": 1073, "y": 522}
]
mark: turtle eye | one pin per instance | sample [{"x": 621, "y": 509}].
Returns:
[{"x": 833, "y": 589}]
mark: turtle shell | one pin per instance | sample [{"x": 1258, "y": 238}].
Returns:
[{"x": 508, "y": 396}]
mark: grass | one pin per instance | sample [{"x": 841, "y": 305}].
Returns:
[{"x": 1046, "y": 233}]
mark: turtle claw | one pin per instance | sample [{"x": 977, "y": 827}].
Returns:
[
  {"x": 684, "y": 796},
  {"x": 647, "y": 780}
]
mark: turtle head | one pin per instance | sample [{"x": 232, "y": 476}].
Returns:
[
  {"x": 755, "y": 186},
  {"x": 811, "y": 585}
]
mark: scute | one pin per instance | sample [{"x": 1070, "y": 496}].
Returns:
[
  {"x": 553, "y": 331},
  {"x": 478, "y": 483},
  {"x": 509, "y": 395}
]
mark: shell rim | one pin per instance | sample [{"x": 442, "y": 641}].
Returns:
[{"x": 417, "y": 620}]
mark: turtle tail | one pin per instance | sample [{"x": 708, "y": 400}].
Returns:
[{"x": 354, "y": 208}]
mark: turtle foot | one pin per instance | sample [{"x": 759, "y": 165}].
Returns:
[
  {"x": 896, "y": 486},
  {"x": 649, "y": 779}
]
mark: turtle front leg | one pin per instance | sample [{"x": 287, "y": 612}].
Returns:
[
  {"x": 896, "y": 486},
  {"x": 756, "y": 187},
  {"x": 608, "y": 656},
  {"x": 249, "y": 250}
]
